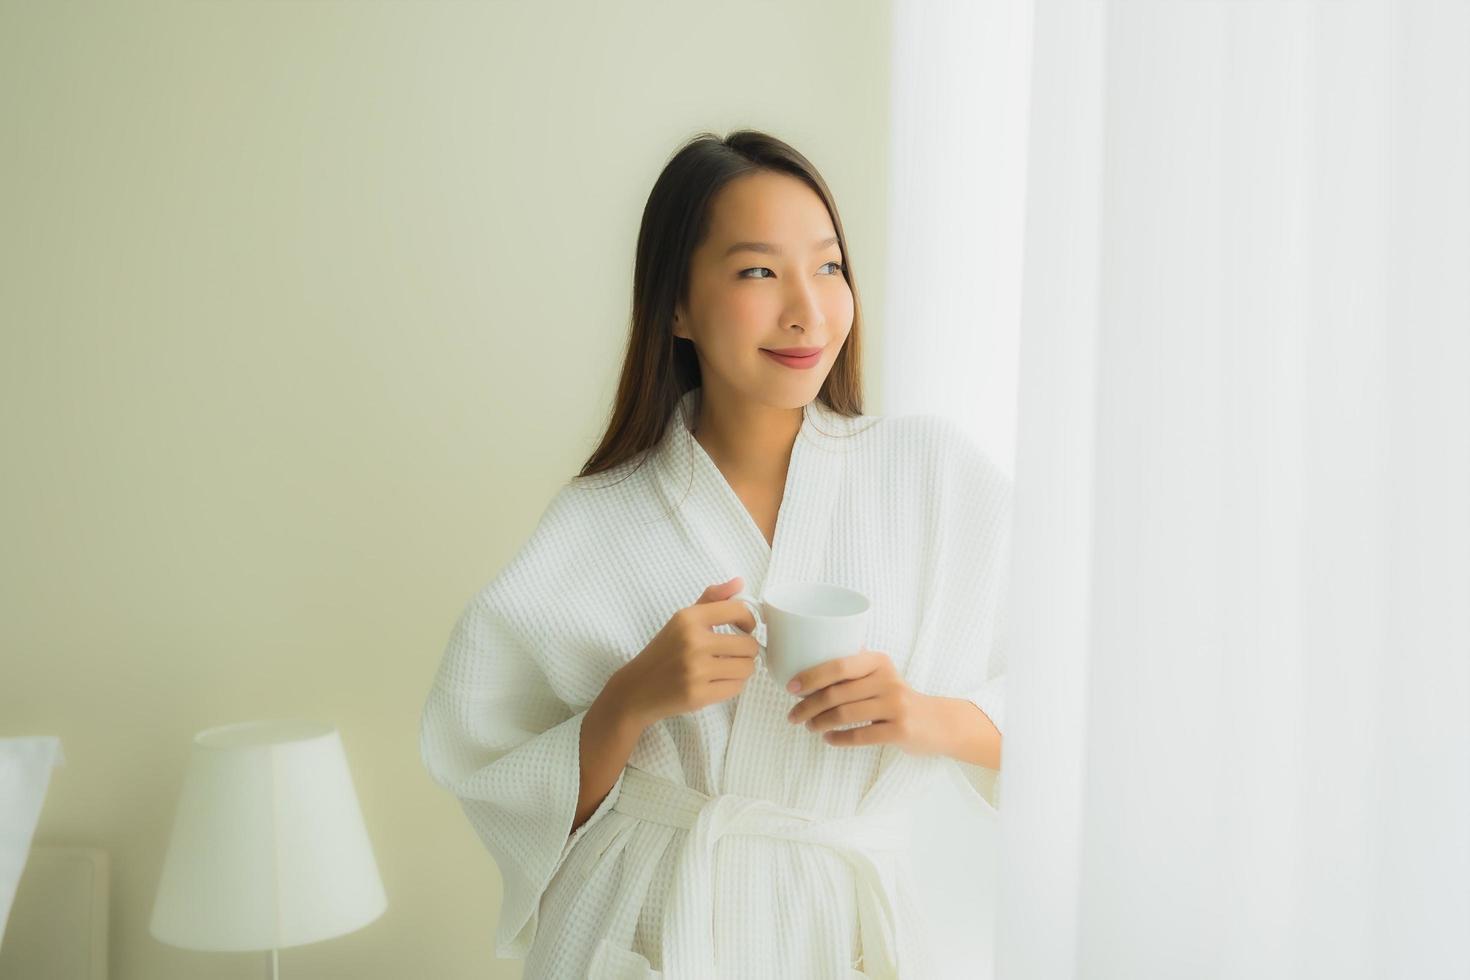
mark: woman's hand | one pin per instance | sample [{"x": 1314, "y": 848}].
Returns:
[
  {"x": 688, "y": 666},
  {"x": 867, "y": 687}
]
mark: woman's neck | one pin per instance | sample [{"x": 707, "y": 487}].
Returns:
[{"x": 751, "y": 443}]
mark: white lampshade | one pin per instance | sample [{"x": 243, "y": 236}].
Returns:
[{"x": 269, "y": 849}]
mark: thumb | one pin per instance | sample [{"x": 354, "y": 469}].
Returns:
[{"x": 722, "y": 590}]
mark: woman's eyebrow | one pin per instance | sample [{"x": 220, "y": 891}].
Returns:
[{"x": 770, "y": 249}]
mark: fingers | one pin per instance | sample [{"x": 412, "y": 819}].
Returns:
[
  {"x": 731, "y": 669},
  {"x": 878, "y": 733},
  {"x": 864, "y": 711},
  {"x": 724, "y": 645},
  {"x": 833, "y": 696},
  {"x": 721, "y": 590},
  {"x": 715, "y": 607},
  {"x": 721, "y": 612},
  {"x": 841, "y": 669}
]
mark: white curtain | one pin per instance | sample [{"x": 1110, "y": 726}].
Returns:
[
  {"x": 1238, "y": 737},
  {"x": 957, "y": 185}
]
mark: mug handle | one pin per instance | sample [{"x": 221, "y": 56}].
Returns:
[{"x": 754, "y": 605}]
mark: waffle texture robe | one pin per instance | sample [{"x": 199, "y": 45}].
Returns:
[{"x": 734, "y": 844}]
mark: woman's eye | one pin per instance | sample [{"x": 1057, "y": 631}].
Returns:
[{"x": 764, "y": 269}]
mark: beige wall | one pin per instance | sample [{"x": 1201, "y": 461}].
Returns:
[{"x": 307, "y": 309}]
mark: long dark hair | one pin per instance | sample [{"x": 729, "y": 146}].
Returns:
[{"x": 659, "y": 368}]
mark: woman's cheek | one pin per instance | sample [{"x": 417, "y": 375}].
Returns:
[
  {"x": 749, "y": 308},
  {"x": 841, "y": 310}
]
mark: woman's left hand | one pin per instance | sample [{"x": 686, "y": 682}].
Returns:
[{"x": 866, "y": 687}]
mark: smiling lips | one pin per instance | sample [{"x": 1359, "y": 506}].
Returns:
[{"x": 798, "y": 357}]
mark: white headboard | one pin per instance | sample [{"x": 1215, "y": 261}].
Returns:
[{"x": 58, "y": 924}]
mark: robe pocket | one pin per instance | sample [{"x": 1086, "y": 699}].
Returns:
[{"x": 612, "y": 962}]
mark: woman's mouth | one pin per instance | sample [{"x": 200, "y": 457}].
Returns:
[{"x": 798, "y": 361}]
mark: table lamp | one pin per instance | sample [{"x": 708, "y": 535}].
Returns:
[{"x": 268, "y": 849}]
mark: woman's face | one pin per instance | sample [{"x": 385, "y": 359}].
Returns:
[{"x": 744, "y": 300}]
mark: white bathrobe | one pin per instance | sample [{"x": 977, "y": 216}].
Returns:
[{"x": 734, "y": 844}]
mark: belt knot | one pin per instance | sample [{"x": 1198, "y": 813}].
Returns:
[{"x": 862, "y": 840}]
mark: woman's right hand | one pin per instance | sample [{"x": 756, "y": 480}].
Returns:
[{"x": 688, "y": 666}]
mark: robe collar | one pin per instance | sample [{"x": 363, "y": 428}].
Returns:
[{"x": 713, "y": 514}]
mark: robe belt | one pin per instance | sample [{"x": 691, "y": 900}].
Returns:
[{"x": 688, "y": 922}]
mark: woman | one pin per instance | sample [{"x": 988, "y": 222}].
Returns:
[{"x": 655, "y": 804}]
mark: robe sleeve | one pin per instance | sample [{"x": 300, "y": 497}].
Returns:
[
  {"x": 494, "y": 733},
  {"x": 986, "y": 493},
  {"x": 990, "y": 694}
]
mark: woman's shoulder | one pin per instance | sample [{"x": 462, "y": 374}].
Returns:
[
  {"x": 945, "y": 449},
  {"x": 583, "y": 520},
  {"x": 930, "y": 440}
]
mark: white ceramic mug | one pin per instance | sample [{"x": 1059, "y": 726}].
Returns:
[{"x": 801, "y": 625}]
